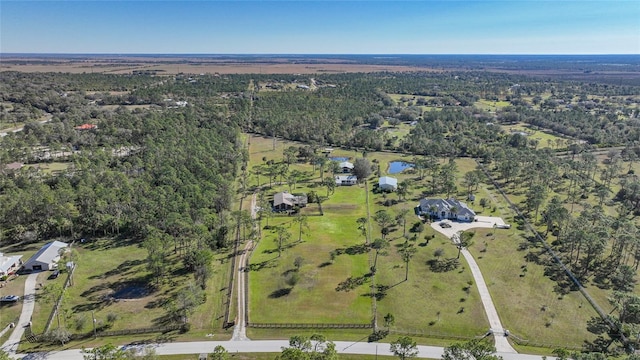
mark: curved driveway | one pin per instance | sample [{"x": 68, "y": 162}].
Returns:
[{"x": 501, "y": 343}]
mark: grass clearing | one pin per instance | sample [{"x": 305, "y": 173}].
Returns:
[
  {"x": 545, "y": 138},
  {"x": 108, "y": 265},
  {"x": 314, "y": 299},
  {"x": 50, "y": 167}
]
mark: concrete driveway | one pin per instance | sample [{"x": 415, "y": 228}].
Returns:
[{"x": 480, "y": 222}]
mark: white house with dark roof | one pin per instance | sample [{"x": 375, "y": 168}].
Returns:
[
  {"x": 346, "y": 180},
  {"x": 9, "y": 264},
  {"x": 446, "y": 209},
  {"x": 46, "y": 258},
  {"x": 388, "y": 183}
]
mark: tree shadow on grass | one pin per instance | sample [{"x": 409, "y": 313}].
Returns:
[
  {"x": 353, "y": 282},
  {"x": 262, "y": 265},
  {"x": 352, "y": 250},
  {"x": 280, "y": 293},
  {"x": 120, "y": 269}
]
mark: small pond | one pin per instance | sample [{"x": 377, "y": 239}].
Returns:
[
  {"x": 339, "y": 158},
  {"x": 398, "y": 166}
]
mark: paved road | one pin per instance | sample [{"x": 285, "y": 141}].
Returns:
[
  {"x": 501, "y": 342},
  {"x": 5, "y": 132},
  {"x": 29, "y": 299},
  {"x": 274, "y": 346}
]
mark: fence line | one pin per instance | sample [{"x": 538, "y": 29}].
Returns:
[
  {"x": 309, "y": 326},
  {"x": 56, "y": 307},
  {"x": 555, "y": 257}
]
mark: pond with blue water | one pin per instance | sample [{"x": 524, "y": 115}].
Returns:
[
  {"x": 398, "y": 166},
  {"x": 339, "y": 158}
]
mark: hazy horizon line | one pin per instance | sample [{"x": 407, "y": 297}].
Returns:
[{"x": 324, "y": 54}]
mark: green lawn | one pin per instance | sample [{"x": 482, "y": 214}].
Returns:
[
  {"x": 545, "y": 137},
  {"x": 314, "y": 299},
  {"x": 490, "y": 105},
  {"x": 51, "y": 167},
  {"x": 525, "y": 299},
  {"x": 107, "y": 265}
]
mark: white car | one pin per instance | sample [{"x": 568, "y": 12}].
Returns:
[{"x": 10, "y": 298}]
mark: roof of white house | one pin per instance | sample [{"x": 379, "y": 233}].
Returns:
[
  {"x": 48, "y": 253},
  {"x": 446, "y": 205},
  {"x": 346, "y": 178},
  {"x": 346, "y": 164},
  {"x": 388, "y": 180},
  {"x": 8, "y": 261}
]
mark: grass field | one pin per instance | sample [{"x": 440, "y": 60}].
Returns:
[
  {"x": 314, "y": 299},
  {"x": 490, "y": 105},
  {"x": 106, "y": 266},
  {"x": 545, "y": 138},
  {"x": 50, "y": 167}
]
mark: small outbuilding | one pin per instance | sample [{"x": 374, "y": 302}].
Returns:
[
  {"x": 46, "y": 258},
  {"x": 387, "y": 183}
]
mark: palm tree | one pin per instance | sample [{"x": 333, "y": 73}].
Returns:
[
  {"x": 402, "y": 219},
  {"x": 303, "y": 222},
  {"x": 362, "y": 226},
  {"x": 406, "y": 252},
  {"x": 283, "y": 235},
  {"x": 378, "y": 245}
]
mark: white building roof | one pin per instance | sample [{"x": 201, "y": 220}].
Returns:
[
  {"x": 346, "y": 164},
  {"x": 47, "y": 254},
  {"x": 7, "y": 262},
  {"x": 387, "y": 180}
]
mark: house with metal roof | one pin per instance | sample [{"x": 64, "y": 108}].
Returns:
[
  {"x": 346, "y": 180},
  {"x": 446, "y": 209},
  {"x": 46, "y": 258}
]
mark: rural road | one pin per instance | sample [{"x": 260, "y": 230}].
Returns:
[
  {"x": 6, "y": 132},
  {"x": 501, "y": 343},
  {"x": 272, "y": 346},
  {"x": 240, "y": 331},
  {"x": 28, "y": 303}
]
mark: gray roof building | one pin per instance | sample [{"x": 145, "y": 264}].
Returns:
[
  {"x": 46, "y": 258},
  {"x": 446, "y": 209}
]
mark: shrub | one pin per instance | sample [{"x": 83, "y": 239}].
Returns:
[
  {"x": 112, "y": 317},
  {"x": 80, "y": 321}
]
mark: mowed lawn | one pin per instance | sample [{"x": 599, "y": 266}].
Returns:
[
  {"x": 314, "y": 298},
  {"x": 106, "y": 266},
  {"x": 433, "y": 303},
  {"x": 524, "y": 297}
]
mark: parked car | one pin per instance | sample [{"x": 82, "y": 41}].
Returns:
[
  {"x": 54, "y": 274},
  {"x": 445, "y": 225},
  {"x": 10, "y": 298},
  {"x": 503, "y": 226}
]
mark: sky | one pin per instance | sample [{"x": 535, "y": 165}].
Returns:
[{"x": 321, "y": 27}]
